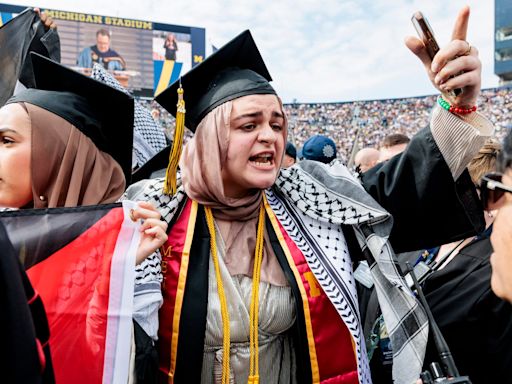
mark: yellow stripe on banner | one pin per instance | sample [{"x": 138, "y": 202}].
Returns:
[
  {"x": 180, "y": 289},
  {"x": 165, "y": 76},
  {"x": 1, "y": 22},
  {"x": 315, "y": 371}
]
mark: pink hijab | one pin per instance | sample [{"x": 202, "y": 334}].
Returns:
[
  {"x": 68, "y": 170},
  {"x": 201, "y": 164}
]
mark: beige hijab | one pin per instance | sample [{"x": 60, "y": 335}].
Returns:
[
  {"x": 67, "y": 168},
  {"x": 201, "y": 164}
]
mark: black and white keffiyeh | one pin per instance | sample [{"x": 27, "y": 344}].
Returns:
[
  {"x": 326, "y": 252},
  {"x": 331, "y": 195},
  {"x": 150, "y": 190},
  {"x": 148, "y": 136}
]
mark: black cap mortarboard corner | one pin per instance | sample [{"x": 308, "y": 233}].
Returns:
[
  {"x": 235, "y": 70},
  {"x": 102, "y": 113}
]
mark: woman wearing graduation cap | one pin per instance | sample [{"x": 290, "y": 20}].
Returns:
[
  {"x": 256, "y": 274},
  {"x": 68, "y": 143},
  {"x": 78, "y": 139}
]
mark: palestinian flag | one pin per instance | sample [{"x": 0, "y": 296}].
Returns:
[{"x": 81, "y": 262}]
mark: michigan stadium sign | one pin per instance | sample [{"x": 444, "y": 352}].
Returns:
[
  {"x": 95, "y": 19},
  {"x": 154, "y": 54}
]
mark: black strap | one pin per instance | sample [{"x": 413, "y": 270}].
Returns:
[{"x": 354, "y": 249}]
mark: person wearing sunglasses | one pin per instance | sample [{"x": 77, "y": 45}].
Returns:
[{"x": 497, "y": 194}]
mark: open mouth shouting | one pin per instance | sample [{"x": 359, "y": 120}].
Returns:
[{"x": 263, "y": 160}]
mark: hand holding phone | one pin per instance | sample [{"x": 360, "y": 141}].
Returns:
[
  {"x": 456, "y": 58},
  {"x": 426, "y": 35}
]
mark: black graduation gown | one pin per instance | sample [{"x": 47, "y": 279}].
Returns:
[
  {"x": 476, "y": 324},
  {"x": 416, "y": 187},
  {"x": 195, "y": 302},
  {"x": 21, "y": 323}
]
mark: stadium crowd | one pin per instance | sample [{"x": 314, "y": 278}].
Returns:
[{"x": 376, "y": 119}]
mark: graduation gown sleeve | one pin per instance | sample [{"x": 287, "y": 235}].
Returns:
[{"x": 418, "y": 188}]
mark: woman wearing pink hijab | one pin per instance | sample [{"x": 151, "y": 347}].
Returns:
[{"x": 256, "y": 276}]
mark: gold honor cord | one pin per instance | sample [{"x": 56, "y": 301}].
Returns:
[
  {"x": 254, "y": 312},
  {"x": 222, "y": 297},
  {"x": 253, "y": 316}
]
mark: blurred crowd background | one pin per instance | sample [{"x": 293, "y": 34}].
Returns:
[{"x": 367, "y": 122}]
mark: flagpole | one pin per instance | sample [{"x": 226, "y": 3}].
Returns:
[{"x": 355, "y": 145}]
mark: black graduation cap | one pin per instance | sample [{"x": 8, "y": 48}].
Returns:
[
  {"x": 156, "y": 163},
  {"x": 235, "y": 70},
  {"x": 101, "y": 112}
]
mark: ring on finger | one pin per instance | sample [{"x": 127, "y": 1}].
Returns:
[{"x": 468, "y": 51}]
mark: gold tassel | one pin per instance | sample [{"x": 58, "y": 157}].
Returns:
[{"x": 170, "y": 185}]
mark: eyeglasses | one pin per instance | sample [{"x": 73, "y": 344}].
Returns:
[{"x": 492, "y": 190}]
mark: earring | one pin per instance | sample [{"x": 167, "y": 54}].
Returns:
[{"x": 490, "y": 214}]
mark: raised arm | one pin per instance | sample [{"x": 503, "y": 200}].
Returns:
[{"x": 431, "y": 198}]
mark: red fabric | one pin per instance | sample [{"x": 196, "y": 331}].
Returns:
[
  {"x": 333, "y": 341},
  {"x": 74, "y": 286}
]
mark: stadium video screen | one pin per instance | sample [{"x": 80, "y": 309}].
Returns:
[{"x": 144, "y": 56}]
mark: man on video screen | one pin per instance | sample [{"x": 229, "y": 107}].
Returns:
[{"x": 102, "y": 54}]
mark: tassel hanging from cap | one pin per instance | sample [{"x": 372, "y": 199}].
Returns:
[{"x": 170, "y": 185}]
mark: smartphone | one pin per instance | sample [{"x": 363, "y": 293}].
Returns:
[{"x": 426, "y": 34}]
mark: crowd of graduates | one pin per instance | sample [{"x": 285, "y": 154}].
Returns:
[{"x": 225, "y": 255}]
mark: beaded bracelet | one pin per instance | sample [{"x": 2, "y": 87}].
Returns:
[{"x": 458, "y": 110}]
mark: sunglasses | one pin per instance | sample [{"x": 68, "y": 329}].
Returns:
[{"x": 492, "y": 190}]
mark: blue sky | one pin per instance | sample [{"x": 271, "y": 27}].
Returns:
[{"x": 325, "y": 51}]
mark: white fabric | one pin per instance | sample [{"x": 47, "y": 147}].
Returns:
[
  {"x": 119, "y": 325},
  {"x": 448, "y": 129}
]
